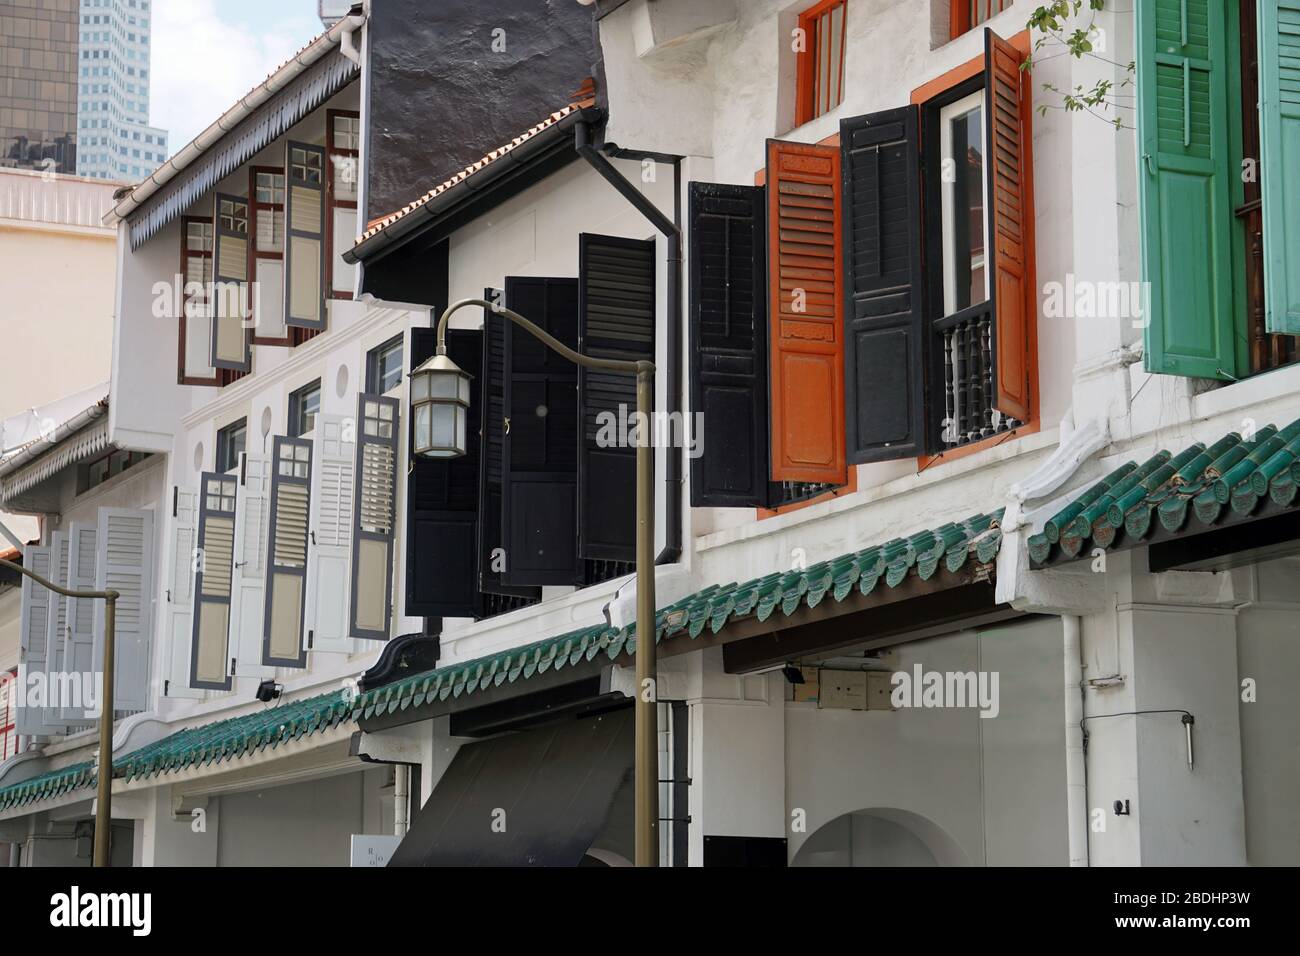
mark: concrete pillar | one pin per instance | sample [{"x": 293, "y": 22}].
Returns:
[{"x": 169, "y": 833}]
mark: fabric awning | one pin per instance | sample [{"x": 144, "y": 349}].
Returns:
[{"x": 536, "y": 798}]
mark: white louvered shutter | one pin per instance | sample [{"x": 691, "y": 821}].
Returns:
[
  {"x": 376, "y": 516},
  {"x": 125, "y": 564},
  {"x": 59, "y": 679},
  {"x": 213, "y": 573},
  {"x": 304, "y": 254},
  {"x": 181, "y": 565},
  {"x": 252, "y": 529},
  {"x": 34, "y": 627},
  {"x": 332, "y": 503},
  {"x": 79, "y": 645},
  {"x": 286, "y": 584},
  {"x": 230, "y": 339}
]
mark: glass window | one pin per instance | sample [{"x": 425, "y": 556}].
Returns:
[
  {"x": 232, "y": 441},
  {"x": 965, "y": 279},
  {"x": 820, "y": 81},
  {"x": 384, "y": 367},
  {"x": 304, "y": 406}
]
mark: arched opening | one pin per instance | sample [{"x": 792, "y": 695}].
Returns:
[{"x": 880, "y": 836}]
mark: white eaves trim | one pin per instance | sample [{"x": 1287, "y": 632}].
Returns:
[{"x": 44, "y": 459}]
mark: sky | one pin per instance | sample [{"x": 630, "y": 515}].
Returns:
[{"x": 206, "y": 54}]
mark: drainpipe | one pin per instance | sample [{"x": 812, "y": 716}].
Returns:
[
  {"x": 401, "y": 799},
  {"x": 347, "y": 45},
  {"x": 1076, "y": 765},
  {"x": 672, "y": 232}
]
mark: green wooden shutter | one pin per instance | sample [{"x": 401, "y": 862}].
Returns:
[
  {"x": 1279, "y": 94},
  {"x": 1184, "y": 181}
]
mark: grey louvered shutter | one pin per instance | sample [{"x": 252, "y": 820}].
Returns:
[
  {"x": 248, "y": 594},
  {"x": 304, "y": 253},
  {"x": 213, "y": 579},
  {"x": 616, "y": 320},
  {"x": 375, "y": 517},
  {"x": 491, "y": 543},
  {"x": 539, "y": 510},
  {"x": 182, "y": 561},
  {"x": 231, "y": 339},
  {"x": 34, "y": 620},
  {"x": 79, "y": 645},
  {"x": 59, "y": 679},
  {"x": 884, "y": 342},
  {"x": 286, "y": 565},
  {"x": 728, "y": 346},
  {"x": 333, "y": 496},
  {"x": 124, "y": 563}
]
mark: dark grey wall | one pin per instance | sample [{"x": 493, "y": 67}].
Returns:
[{"x": 441, "y": 96}]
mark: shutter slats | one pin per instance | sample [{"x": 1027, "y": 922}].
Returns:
[
  {"x": 231, "y": 340},
  {"x": 33, "y": 636},
  {"x": 331, "y": 555},
  {"x": 616, "y": 310},
  {"x": 378, "y": 421},
  {"x": 79, "y": 647},
  {"x": 807, "y": 343},
  {"x": 56, "y": 636},
  {"x": 304, "y": 252},
  {"x": 1280, "y": 150},
  {"x": 125, "y": 564},
  {"x": 282, "y": 627}
]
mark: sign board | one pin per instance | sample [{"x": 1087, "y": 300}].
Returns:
[{"x": 373, "y": 851}]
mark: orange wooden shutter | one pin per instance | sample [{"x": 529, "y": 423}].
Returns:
[
  {"x": 805, "y": 298},
  {"x": 1010, "y": 172}
]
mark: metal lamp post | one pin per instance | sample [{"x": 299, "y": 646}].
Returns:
[
  {"x": 104, "y": 796},
  {"x": 439, "y": 402}
]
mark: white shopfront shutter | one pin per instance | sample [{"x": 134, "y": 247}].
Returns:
[
  {"x": 34, "y": 627},
  {"x": 248, "y": 602},
  {"x": 125, "y": 564},
  {"x": 181, "y": 564},
  {"x": 79, "y": 644},
  {"x": 210, "y": 650},
  {"x": 59, "y": 680},
  {"x": 332, "y": 503},
  {"x": 282, "y": 628},
  {"x": 374, "y": 523}
]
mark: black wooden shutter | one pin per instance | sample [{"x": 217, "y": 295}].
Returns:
[
  {"x": 491, "y": 395},
  {"x": 539, "y": 506},
  {"x": 884, "y": 348},
  {"x": 728, "y": 346},
  {"x": 616, "y": 309},
  {"x": 442, "y": 502}
]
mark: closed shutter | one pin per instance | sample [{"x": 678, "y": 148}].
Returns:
[
  {"x": 616, "y": 320},
  {"x": 230, "y": 337},
  {"x": 34, "y": 621},
  {"x": 286, "y": 562},
  {"x": 805, "y": 299},
  {"x": 79, "y": 646},
  {"x": 333, "y": 496},
  {"x": 1186, "y": 203},
  {"x": 1279, "y": 86},
  {"x": 304, "y": 286},
  {"x": 375, "y": 507},
  {"x": 58, "y": 677},
  {"x": 213, "y": 583},
  {"x": 248, "y": 583},
  {"x": 125, "y": 564},
  {"x": 1011, "y": 222},
  {"x": 442, "y": 503},
  {"x": 182, "y": 562},
  {"x": 728, "y": 345},
  {"x": 539, "y": 514},
  {"x": 266, "y": 190},
  {"x": 884, "y": 348},
  {"x": 491, "y": 543}
]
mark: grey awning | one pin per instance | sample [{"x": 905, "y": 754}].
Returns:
[{"x": 555, "y": 784}]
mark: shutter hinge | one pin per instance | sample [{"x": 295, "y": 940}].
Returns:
[
  {"x": 167, "y": 687},
  {"x": 176, "y": 494},
  {"x": 232, "y": 666},
  {"x": 169, "y": 595},
  {"x": 243, "y": 469},
  {"x": 311, "y": 640}
]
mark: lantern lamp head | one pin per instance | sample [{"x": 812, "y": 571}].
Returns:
[{"x": 440, "y": 408}]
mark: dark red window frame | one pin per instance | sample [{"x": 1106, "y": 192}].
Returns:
[
  {"x": 333, "y": 152},
  {"x": 966, "y": 15}
]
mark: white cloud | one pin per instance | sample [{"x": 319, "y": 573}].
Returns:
[{"x": 203, "y": 62}]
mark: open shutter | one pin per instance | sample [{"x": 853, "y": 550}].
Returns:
[
  {"x": 1011, "y": 222},
  {"x": 266, "y": 188},
  {"x": 1279, "y": 91},
  {"x": 343, "y": 140},
  {"x": 375, "y": 517},
  {"x": 34, "y": 621},
  {"x": 230, "y": 336},
  {"x": 442, "y": 503},
  {"x": 248, "y": 583},
  {"x": 195, "y": 332},
  {"x": 286, "y": 563},
  {"x": 125, "y": 564},
  {"x": 616, "y": 320},
  {"x": 79, "y": 645},
  {"x": 58, "y": 680},
  {"x": 884, "y": 348},
  {"x": 304, "y": 286},
  {"x": 728, "y": 345},
  {"x": 805, "y": 298},
  {"x": 333, "y": 496},
  {"x": 539, "y": 513},
  {"x": 182, "y": 562},
  {"x": 1182, "y": 67},
  {"x": 213, "y": 583},
  {"x": 491, "y": 543}
]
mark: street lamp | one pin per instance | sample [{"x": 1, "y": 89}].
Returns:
[
  {"x": 440, "y": 393},
  {"x": 104, "y": 794}
]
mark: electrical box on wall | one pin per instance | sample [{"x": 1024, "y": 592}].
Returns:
[{"x": 853, "y": 690}]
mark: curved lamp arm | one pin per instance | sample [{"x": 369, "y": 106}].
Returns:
[{"x": 104, "y": 595}]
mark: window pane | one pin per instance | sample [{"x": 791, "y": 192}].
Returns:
[{"x": 964, "y": 254}]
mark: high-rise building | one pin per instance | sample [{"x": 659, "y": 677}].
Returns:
[
  {"x": 38, "y": 84},
  {"x": 116, "y": 139}
]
